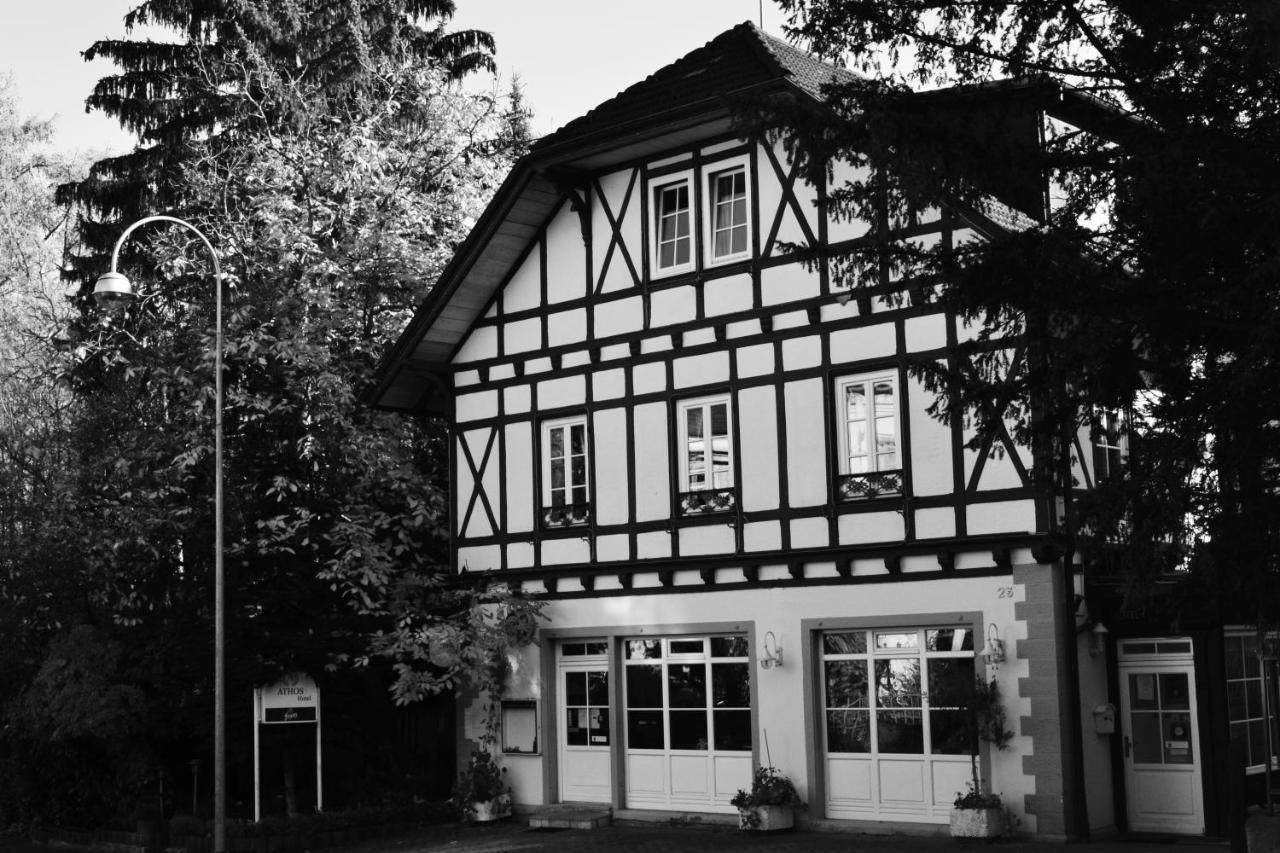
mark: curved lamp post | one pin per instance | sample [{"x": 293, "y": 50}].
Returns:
[{"x": 114, "y": 288}]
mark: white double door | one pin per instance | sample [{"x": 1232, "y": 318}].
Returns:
[{"x": 1161, "y": 744}]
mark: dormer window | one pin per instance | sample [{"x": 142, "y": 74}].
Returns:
[{"x": 673, "y": 230}]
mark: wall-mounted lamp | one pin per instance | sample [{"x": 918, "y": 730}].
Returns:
[
  {"x": 1098, "y": 639},
  {"x": 993, "y": 651},
  {"x": 770, "y": 652}
]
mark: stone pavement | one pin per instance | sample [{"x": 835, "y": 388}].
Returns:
[{"x": 515, "y": 836}]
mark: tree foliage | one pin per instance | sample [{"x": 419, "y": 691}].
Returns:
[
  {"x": 1151, "y": 285},
  {"x": 332, "y": 160}
]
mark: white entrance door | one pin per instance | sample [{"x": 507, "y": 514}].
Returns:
[
  {"x": 584, "y": 733},
  {"x": 1162, "y": 765}
]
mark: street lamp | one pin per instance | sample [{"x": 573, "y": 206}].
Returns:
[{"x": 114, "y": 288}]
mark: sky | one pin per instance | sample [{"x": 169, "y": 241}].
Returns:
[{"x": 570, "y": 54}]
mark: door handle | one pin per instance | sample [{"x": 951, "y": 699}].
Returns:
[{"x": 1127, "y": 745}]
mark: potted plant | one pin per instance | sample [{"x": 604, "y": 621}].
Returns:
[
  {"x": 481, "y": 791},
  {"x": 977, "y": 813},
  {"x": 770, "y": 804}
]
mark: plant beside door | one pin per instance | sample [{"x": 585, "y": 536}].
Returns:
[
  {"x": 977, "y": 813},
  {"x": 770, "y": 804}
]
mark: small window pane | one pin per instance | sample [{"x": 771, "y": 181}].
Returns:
[
  {"x": 643, "y": 649},
  {"x": 846, "y": 683},
  {"x": 598, "y": 726},
  {"x": 950, "y": 682},
  {"x": 686, "y": 647},
  {"x": 575, "y": 688},
  {"x": 898, "y": 683},
  {"x": 949, "y": 731},
  {"x": 729, "y": 647},
  {"x": 688, "y": 729},
  {"x": 597, "y": 648},
  {"x": 644, "y": 730},
  {"x": 557, "y": 442},
  {"x": 1173, "y": 692},
  {"x": 1236, "y": 708},
  {"x": 1147, "y": 747},
  {"x": 731, "y": 685},
  {"x": 852, "y": 643},
  {"x": 848, "y": 731},
  {"x": 598, "y": 688},
  {"x": 687, "y": 685},
  {"x": 575, "y": 726},
  {"x": 732, "y": 730},
  {"x": 904, "y": 640},
  {"x": 949, "y": 640},
  {"x": 644, "y": 686},
  {"x": 900, "y": 732},
  {"x": 571, "y": 649}
]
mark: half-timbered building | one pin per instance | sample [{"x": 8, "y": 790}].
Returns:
[{"x": 755, "y": 544}]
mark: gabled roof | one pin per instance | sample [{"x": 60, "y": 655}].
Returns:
[{"x": 680, "y": 104}]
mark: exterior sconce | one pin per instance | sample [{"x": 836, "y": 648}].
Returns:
[
  {"x": 771, "y": 652},
  {"x": 993, "y": 651},
  {"x": 1098, "y": 639}
]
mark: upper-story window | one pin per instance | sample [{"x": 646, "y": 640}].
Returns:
[
  {"x": 673, "y": 227},
  {"x": 728, "y": 207},
  {"x": 867, "y": 411},
  {"x": 565, "y": 496},
  {"x": 706, "y": 455},
  {"x": 1110, "y": 444}
]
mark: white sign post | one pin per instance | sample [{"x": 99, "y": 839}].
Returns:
[{"x": 293, "y": 699}]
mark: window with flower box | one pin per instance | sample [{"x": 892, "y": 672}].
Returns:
[
  {"x": 867, "y": 412},
  {"x": 705, "y": 451},
  {"x": 566, "y": 498}
]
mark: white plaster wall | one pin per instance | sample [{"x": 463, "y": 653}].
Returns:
[
  {"x": 524, "y": 290},
  {"x": 653, "y": 495},
  {"x": 758, "y": 432},
  {"x": 522, "y": 336},
  {"x": 566, "y": 258},
  {"x": 519, "y": 479},
  {"x": 609, "y": 430},
  {"x": 807, "y": 466},
  {"x": 931, "y": 467},
  {"x": 480, "y": 344},
  {"x": 695, "y": 370},
  {"x": 862, "y": 343},
  {"x": 476, "y": 406}
]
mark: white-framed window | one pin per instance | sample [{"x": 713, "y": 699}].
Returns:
[
  {"x": 1110, "y": 444},
  {"x": 705, "y": 444},
  {"x": 1246, "y": 704},
  {"x": 727, "y": 215},
  {"x": 897, "y": 690},
  {"x": 565, "y": 493},
  {"x": 671, "y": 214},
  {"x": 867, "y": 409}
]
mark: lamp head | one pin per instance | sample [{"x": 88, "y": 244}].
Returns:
[{"x": 113, "y": 290}]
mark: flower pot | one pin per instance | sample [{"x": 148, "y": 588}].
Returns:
[
  {"x": 978, "y": 823},
  {"x": 490, "y": 810},
  {"x": 766, "y": 818}
]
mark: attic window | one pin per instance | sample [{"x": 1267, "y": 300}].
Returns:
[{"x": 727, "y": 201}]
